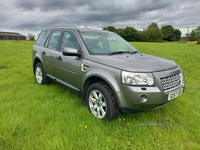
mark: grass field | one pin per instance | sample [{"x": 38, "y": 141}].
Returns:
[{"x": 49, "y": 117}]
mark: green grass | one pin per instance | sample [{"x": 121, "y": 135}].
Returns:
[{"x": 49, "y": 117}]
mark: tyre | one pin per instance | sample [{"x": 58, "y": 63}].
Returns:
[
  {"x": 40, "y": 75},
  {"x": 101, "y": 101}
]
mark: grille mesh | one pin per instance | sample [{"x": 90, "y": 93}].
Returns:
[{"x": 171, "y": 82}]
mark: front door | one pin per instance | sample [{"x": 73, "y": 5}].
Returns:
[{"x": 69, "y": 67}]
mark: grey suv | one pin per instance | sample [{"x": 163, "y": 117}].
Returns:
[{"x": 108, "y": 72}]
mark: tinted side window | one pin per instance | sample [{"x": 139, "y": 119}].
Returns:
[
  {"x": 53, "y": 40},
  {"x": 69, "y": 40},
  {"x": 41, "y": 37}
]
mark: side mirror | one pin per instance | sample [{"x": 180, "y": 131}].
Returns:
[{"x": 71, "y": 52}]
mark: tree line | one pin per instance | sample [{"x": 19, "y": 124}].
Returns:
[
  {"x": 153, "y": 33},
  {"x": 194, "y": 35}
]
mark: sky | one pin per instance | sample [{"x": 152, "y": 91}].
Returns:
[{"x": 31, "y": 16}]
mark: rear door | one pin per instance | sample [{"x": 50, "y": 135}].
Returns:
[{"x": 50, "y": 53}]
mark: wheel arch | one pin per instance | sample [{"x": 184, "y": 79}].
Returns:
[
  {"x": 36, "y": 60},
  {"x": 93, "y": 79}
]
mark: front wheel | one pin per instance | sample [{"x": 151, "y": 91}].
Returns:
[
  {"x": 40, "y": 75},
  {"x": 101, "y": 101}
]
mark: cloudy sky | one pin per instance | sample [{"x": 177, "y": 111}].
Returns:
[{"x": 30, "y": 16}]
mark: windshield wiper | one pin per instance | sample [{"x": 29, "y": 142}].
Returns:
[
  {"x": 134, "y": 52},
  {"x": 119, "y": 52}
]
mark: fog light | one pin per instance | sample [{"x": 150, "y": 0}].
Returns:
[{"x": 142, "y": 98}]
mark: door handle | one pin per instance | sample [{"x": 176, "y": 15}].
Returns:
[
  {"x": 59, "y": 58},
  {"x": 43, "y": 53}
]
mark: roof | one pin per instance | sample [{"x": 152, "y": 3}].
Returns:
[
  {"x": 90, "y": 30},
  {"x": 78, "y": 29}
]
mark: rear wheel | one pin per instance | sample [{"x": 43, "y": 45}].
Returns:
[
  {"x": 101, "y": 101},
  {"x": 40, "y": 75}
]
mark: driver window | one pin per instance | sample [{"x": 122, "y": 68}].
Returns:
[{"x": 69, "y": 40}]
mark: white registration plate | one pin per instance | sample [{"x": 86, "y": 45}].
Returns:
[{"x": 175, "y": 94}]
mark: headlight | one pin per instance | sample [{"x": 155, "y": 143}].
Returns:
[{"x": 137, "y": 78}]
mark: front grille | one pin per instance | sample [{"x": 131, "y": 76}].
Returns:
[{"x": 171, "y": 82}]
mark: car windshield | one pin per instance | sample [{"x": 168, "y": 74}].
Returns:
[{"x": 106, "y": 43}]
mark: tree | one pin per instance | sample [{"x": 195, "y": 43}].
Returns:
[
  {"x": 154, "y": 34},
  {"x": 130, "y": 34},
  {"x": 120, "y": 31},
  {"x": 177, "y": 33},
  {"x": 192, "y": 36},
  {"x": 167, "y": 31},
  {"x": 197, "y": 31},
  {"x": 143, "y": 36},
  {"x": 170, "y": 34},
  {"x": 31, "y": 37},
  {"x": 153, "y": 25},
  {"x": 110, "y": 28}
]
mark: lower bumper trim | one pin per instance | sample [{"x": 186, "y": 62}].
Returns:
[{"x": 142, "y": 108}]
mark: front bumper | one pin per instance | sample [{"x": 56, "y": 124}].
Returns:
[{"x": 129, "y": 98}]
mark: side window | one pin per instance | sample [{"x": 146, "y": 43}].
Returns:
[
  {"x": 41, "y": 37},
  {"x": 69, "y": 40},
  {"x": 52, "y": 40}
]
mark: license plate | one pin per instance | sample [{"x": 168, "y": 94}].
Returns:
[{"x": 175, "y": 94}]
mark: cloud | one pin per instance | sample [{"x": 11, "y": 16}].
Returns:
[{"x": 35, "y": 15}]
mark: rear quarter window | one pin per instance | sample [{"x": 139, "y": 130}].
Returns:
[{"x": 41, "y": 37}]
